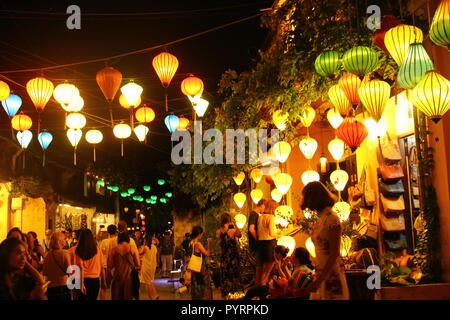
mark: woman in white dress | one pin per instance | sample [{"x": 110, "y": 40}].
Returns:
[
  {"x": 330, "y": 282},
  {"x": 148, "y": 253}
]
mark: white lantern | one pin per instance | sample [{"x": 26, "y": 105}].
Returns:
[
  {"x": 288, "y": 242},
  {"x": 141, "y": 132},
  {"x": 256, "y": 195},
  {"x": 308, "y": 147},
  {"x": 283, "y": 182},
  {"x": 336, "y": 148},
  {"x": 276, "y": 195},
  {"x": 281, "y": 151},
  {"x": 309, "y": 244},
  {"x": 339, "y": 179},
  {"x": 310, "y": 176},
  {"x": 24, "y": 138},
  {"x": 342, "y": 209}
]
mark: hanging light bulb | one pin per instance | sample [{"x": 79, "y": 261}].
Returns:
[
  {"x": 360, "y": 60},
  {"x": 141, "y": 132},
  {"x": 64, "y": 93},
  {"x": 350, "y": 83},
  {"x": 336, "y": 148},
  {"x": 239, "y": 199},
  {"x": 276, "y": 195},
  {"x": 239, "y": 178},
  {"x": 288, "y": 242},
  {"x": 352, "y": 132},
  {"x": 256, "y": 174},
  {"x": 132, "y": 92},
  {"x": 75, "y": 120},
  {"x": 310, "y": 176},
  {"x": 374, "y": 95},
  {"x": 281, "y": 151},
  {"x": 323, "y": 163},
  {"x": 122, "y": 131},
  {"x": 309, "y": 244},
  {"x": 307, "y": 116},
  {"x": 256, "y": 195},
  {"x": 334, "y": 118},
  {"x": 24, "y": 138},
  {"x": 339, "y": 179},
  {"x": 279, "y": 118},
  {"x": 339, "y": 100},
  {"x": 398, "y": 39},
  {"x": 342, "y": 210},
  {"x": 327, "y": 63},
  {"x": 417, "y": 62},
  {"x": 94, "y": 137},
  {"x": 240, "y": 220},
  {"x": 12, "y": 104},
  {"x": 440, "y": 26},
  {"x": 200, "y": 107},
  {"x": 172, "y": 122},
  {"x": 283, "y": 182},
  {"x": 308, "y": 147}
]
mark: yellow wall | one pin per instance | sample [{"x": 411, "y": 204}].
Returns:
[
  {"x": 34, "y": 216},
  {"x": 4, "y": 209}
]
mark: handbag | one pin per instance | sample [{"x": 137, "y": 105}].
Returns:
[
  {"x": 390, "y": 151},
  {"x": 395, "y": 241},
  {"x": 413, "y": 163},
  {"x": 391, "y": 190},
  {"x": 392, "y": 224},
  {"x": 195, "y": 264},
  {"x": 392, "y": 204},
  {"x": 368, "y": 194},
  {"x": 391, "y": 172},
  {"x": 372, "y": 231}
]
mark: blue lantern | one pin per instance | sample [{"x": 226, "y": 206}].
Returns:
[
  {"x": 172, "y": 122},
  {"x": 45, "y": 138},
  {"x": 12, "y": 105}
]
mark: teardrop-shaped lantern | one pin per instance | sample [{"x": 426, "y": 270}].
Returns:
[
  {"x": 339, "y": 179},
  {"x": 240, "y": 220},
  {"x": 45, "y": 138},
  {"x": 192, "y": 86},
  {"x": 4, "y": 90},
  {"x": 307, "y": 116},
  {"x": 256, "y": 174},
  {"x": 309, "y": 245},
  {"x": 398, "y": 39},
  {"x": 109, "y": 80},
  {"x": 239, "y": 178},
  {"x": 350, "y": 83},
  {"x": 440, "y": 26},
  {"x": 145, "y": 114},
  {"x": 288, "y": 242},
  {"x": 352, "y": 132},
  {"x": 94, "y": 137},
  {"x": 342, "y": 210},
  {"x": 336, "y": 148},
  {"x": 387, "y": 22},
  {"x": 281, "y": 151},
  {"x": 24, "y": 138},
  {"x": 256, "y": 195},
  {"x": 414, "y": 67},
  {"x": 327, "y": 63},
  {"x": 183, "y": 123},
  {"x": 334, "y": 118},
  {"x": 310, "y": 176},
  {"x": 132, "y": 92},
  {"x": 308, "y": 147},
  {"x": 432, "y": 95},
  {"x": 40, "y": 91},
  {"x": 12, "y": 104},
  {"x": 239, "y": 199},
  {"x": 374, "y": 95},
  {"x": 360, "y": 60},
  {"x": 21, "y": 122},
  {"x": 283, "y": 182},
  {"x": 276, "y": 195},
  {"x": 200, "y": 107},
  {"x": 141, "y": 132},
  {"x": 75, "y": 105},
  {"x": 74, "y": 136},
  {"x": 339, "y": 100},
  {"x": 64, "y": 93},
  {"x": 124, "y": 103},
  {"x": 172, "y": 122},
  {"x": 165, "y": 65},
  {"x": 279, "y": 119}
]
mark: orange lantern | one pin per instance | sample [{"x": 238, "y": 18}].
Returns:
[
  {"x": 4, "y": 90},
  {"x": 184, "y": 122},
  {"x": 352, "y": 132},
  {"x": 109, "y": 80},
  {"x": 21, "y": 122},
  {"x": 192, "y": 86},
  {"x": 165, "y": 65},
  {"x": 40, "y": 91},
  {"x": 145, "y": 114},
  {"x": 350, "y": 83}
]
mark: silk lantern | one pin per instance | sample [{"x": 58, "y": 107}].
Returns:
[
  {"x": 346, "y": 245},
  {"x": 276, "y": 195},
  {"x": 281, "y": 151},
  {"x": 387, "y": 22},
  {"x": 288, "y": 242},
  {"x": 40, "y": 91},
  {"x": 165, "y": 65},
  {"x": 44, "y": 138},
  {"x": 308, "y": 147},
  {"x": 399, "y": 38},
  {"x": 21, "y": 122},
  {"x": 350, "y": 84},
  {"x": 122, "y": 131},
  {"x": 75, "y": 105},
  {"x": 239, "y": 178},
  {"x": 256, "y": 174},
  {"x": 339, "y": 100},
  {"x": 109, "y": 80},
  {"x": 310, "y": 176},
  {"x": 283, "y": 215},
  {"x": 4, "y": 90},
  {"x": 432, "y": 95},
  {"x": 279, "y": 118},
  {"x": 309, "y": 244},
  {"x": 440, "y": 26},
  {"x": 124, "y": 103},
  {"x": 132, "y": 92},
  {"x": 172, "y": 122},
  {"x": 334, "y": 118},
  {"x": 64, "y": 93},
  {"x": 374, "y": 95},
  {"x": 360, "y": 60},
  {"x": 307, "y": 116},
  {"x": 12, "y": 104},
  {"x": 283, "y": 182},
  {"x": 342, "y": 210},
  {"x": 352, "y": 132},
  {"x": 94, "y": 137},
  {"x": 183, "y": 123},
  {"x": 327, "y": 63},
  {"x": 145, "y": 114},
  {"x": 239, "y": 199},
  {"x": 24, "y": 138},
  {"x": 240, "y": 220},
  {"x": 141, "y": 132},
  {"x": 200, "y": 107},
  {"x": 75, "y": 120},
  {"x": 74, "y": 136},
  {"x": 256, "y": 195},
  {"x": 339, "y": 179},
  {"x": 192, "y": 86},
  {"x": 417, "y": 62},
  {"x": 336, "y": 148}
]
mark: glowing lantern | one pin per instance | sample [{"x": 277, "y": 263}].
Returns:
[
  {"x": 200, "y": 107},
  {"x": 192, "y": 86},
  {"x": 387, "y": 23},
  {"x": 75, "y": 105},
  {"x": 76, "y": 120},
  {"x": 256, "y": 195},
  {"x": 165, "y": 65},
  {"x": 374, "y": 95},
  {"x": 288, "y": 242},
  {"x": 124, "y": 103},
  {"x": 342, "y": 210},
  {"x": 131, "y": 191},
  {"x": 334, "y": 118},
  {"x": 440, "y": 26},
  {"x": 4, "y": 90},
  {"x": 310, "y": 176},
  {"x": 40, "y": 91},
  {"x": 336, "y": 148},
  {"x": 309, "y": 244},
  {"x": 195, "y": 99},
  {"x": 132, "y": 92},
  {"x": 417, "y": 62},
  {"x": 327, "y": 63},
  {"x": 141, "y": 132},
  {"x": 352, "y": 132},
  {"x": 360, "y": 60},
  {"x": 145, "y": 114},
  {"x": 350, "y": 83},
  {"x": 279, "y": 119},
  {"x": 281, "y": 221},
  {"x": 346, "y": 245},
  {"x": 281, "y": 151},
  {"x": 308, "y": 214},
  {"x": 64, "y": 93},
  {"x": 398, "y": 39},
  {"x": 239, "y": 178},
  {"x": 109, "y": 80},
  {"x": 240, "y": 220},
  {"x": 21, "y": 122},
  {"x": 183, "y": 123},
  {"x": 12, "y": 104},
  {"x": 147, "y": 188},
  {"x": 256, "y": 175},
  {"x": 161, "y": 182},
  {"x": 94, "y": 137},
  {"x": 307, "y": 116},
  {"x": 323, "y": 163},
  {"x": 284, "y": 212},
  {"x": 239, "y": 199},
  {"x": 308, "y": 147},
  {"x": 74, "y": 136},
  {"x": 283, "y": 182},
  {"x": 276, "y": 195},
  {"x": 339, "y": 179},
  {"x": 172, "y": 122},
  {"x": 339, "y": 100},
  {"x": 122, "y": 131},
  {"x": 45, "y": 138},
  {"x": 376, "y": 129},
  {"x": 168, "y": 194},
  {"x": 24, "y": 138}
]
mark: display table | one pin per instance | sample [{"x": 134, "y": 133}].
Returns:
[{"x": 434, "y": 291}]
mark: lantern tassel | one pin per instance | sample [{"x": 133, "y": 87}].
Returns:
[
  {"x": 131, "y": 118},
  {"x": 75, "y": 156},
  {"x": 167, "y": 101},
  {"x": 23, "y": 159},
  {"x": 95, "y": 157},
  {"x": 43, "y": 159},
  {"x": 111, "y": 113},
  {"x": 121, "y": 147},
  {"x": 39, "y": 123}
]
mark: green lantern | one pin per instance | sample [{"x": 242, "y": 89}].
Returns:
[
  {"x": 154, "y": 197},
  {"x": 131, "y": 190},
  {"x": 101, "y": 183},
  {"x": 360, "y": 60},
  {"x": 440, "y": 26},
  {"x": 168, "y": 194},
  {"x": 141, "y": 199},
  {"x": 109, "y": 188},
  {"x": 148, "y": 200},
  {"x": 135, "y": 197},
  {"x": 163, "y": 200},
  {"x": 327, "y": 63},
  {"x": 147, "y": 188},
  {"x": 124, "y": 194},
  {"x": 115, "y": 188},
  {"x": 161, "y": 182},
  {"x": 413, "y": 68}
]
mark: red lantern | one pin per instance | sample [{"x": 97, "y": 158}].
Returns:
[
  {"x": 21, "y": 122},
  {"x": 387, "y": 23},
  {"x": 165, "y": 65},
  {"x": 269, "y": 180},
  {"x": 109, "y": 80},
  {"x": 192, "y": 86},
  {"x": 145, "y": 114},
  {"x": 352, "y": 132},
  {"x": 350, "y": 84}
]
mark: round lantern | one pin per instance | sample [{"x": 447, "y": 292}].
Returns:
[
  {"x": 374, "y": 95},
  {"x": 283, "y": 182},
  {"x": 172, "y": 122},
  {"x": 339, "y": 179},
  {"x": 64, "y": 93},
  {"x": 310, "y": 176},
  {"x": 346, "y": 245},
  {"x": 124, "y": 103},
  {"x": 336, "y": 148},
  {"x": 360, "y": 60},
  {"x": 145, "y": 114},
  {"x": 276, "y": 195},
  {"x": 239, "y": 199},
  {"x": 109, "y": 80},
  {"x": 94, "y": 137},
  {"x": 432, "y": 95},
  {"x": 40, "y": 91},
  {"x": 334, "y": 118},
  {"x": 327, "y": 63},
  {"x": 122, "y": 131},
  {"x": 440, "y": 26},
  {"x": 12, "y": 104},
  {"x": 339, "y": 100},
  {"x": 417, "y": 62},
  {"x": 4, "y": 90},
  {"x": 256, "y": 174},
  {"x": 352, "y": 132},
  {"x": 45, "y": 138},
  {"x": 398, "y": 39},
  {"x": 240, "y": 220},
  {"x": 307, "y": 116},
  {"x": 309, "y": 244},
  {"x": 165, "y": 65},
  {"x": 284, "y": 212},
  {"x": 141, "y": 132},
  {"x": 132, "y": 92},
  {"x": 350, "y": 83},
  {"x": 239, "y": 178},
  {"x": 200, "y": 107},
  {"x": 308, "y": 147},
  {"x": 184, "y": 122},
  {"x": 256, "y": 195},
  {"x": 281, "y": 151},
  {"x": 75, "y": 105},
  {"x": 75, "y": 120},
  {"x": 21, "y": 122},
  {"x": 192, "y": 86},
  {"x": 279, "y": 119},
  {"x": 288, "y": 242},
  {"x": 342, "y": 210},
  {"x": 24, "y": 138}
]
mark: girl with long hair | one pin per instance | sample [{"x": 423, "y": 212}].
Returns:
[
  {"x": 149, "y": 251},
  {"x": 199, "y": 280}
]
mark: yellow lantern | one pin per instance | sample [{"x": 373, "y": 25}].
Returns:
[
  {"x": 374, "y": 95},
  {"x": 279, "y": 119},
  {"x": 200, "y": 107},
  {"x": 21, "y": 122},
  {"x": 183, "y": 123},
  {"x": 122, "y": 131},
  {"x": 239, "y": 199},
  {"x": 64, "y": 93},
  {"x": 276, "y": 195},
  {"x": 145, "y": 114},
  {"x": 334, "y": 118},
  {"x": 339, "y": 179},
  {"x": 4, "y": 90},
  {"x": 165, "y": 65},
  {"x": 307, "y": 116},
  {"x": 141, "y": 132},
  {"x": 343, "y": 210},
  {"x": 256, "y": 175},
  {"x": 40, "y": 91},
  {"x": 281, "y": 151},
  {"x": 74, "y": 136},
  {"x": 310, "y": 176},
  {"x": 240, "y": 220},
  {"x": 309, "y": 244},
  {"x": 124, "y": 103},
  {"x": 256, "y": 195},
  {"x": 192, "y": 86},
  {"x": 281, "y": 222},
  {"x": 346, "y": 245},
  {"x": 336, "y": 148},
  {"x": 283, "y": 182},
  {"x": 239, "y": 178},
  {"x": 284, "y": 212},
  {"x": 339, "y": 100},
  {"x": 288, "y": 242},
  {"x": 94, "y": 137},
  {"x": 75, "y": 105},
  {"x": 398, "y": 39},
  {"x": 132, "y": 92},
  {"x": 75, "y": 120},
  {"x": 308, "y": 147}
]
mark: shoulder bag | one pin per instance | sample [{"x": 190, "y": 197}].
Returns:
[
  {"x": 395, "y": 241},
  {"x": 195, "y": 264},
  {"x": 392, "y": 204},
  {"x": 391, "y": 172},
  {"x": 390, "y": 151},
  {"x": 413, "y": 163},
  {"x": 392, "y": 224},
  {"x": 391, "y": 190}
]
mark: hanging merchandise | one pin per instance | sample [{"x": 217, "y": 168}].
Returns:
[
  {"x": 336, "y": 148},
  {"x": 339, "y": 179},
  {"x": 256, "y": 174},
  {"x": 327, "y": 63},
  {"x": 308, "y": 147},
  {"x": 239, "y": 199},
  {"x": 239, "y": 178},
  {"x": 24, "y": 138},
  {"x": 171, "y": 122},
  {"x": 21, "y": 122},
  {"x": 323, "y": 163},
  {"x": 440, "y": 26},
  {"x": 374, "y": 95},
  {"x": 352, "y": 132},
  {"x": 417, "y": 62},
  {"x": 44, "y": 138},
  {"x": 75, "y": 105},
  {"x": 283, "y": 182},
  {"x": 40, "y": 91},
  {"x": 276, "y": 195},
  {"x": 141, "y": 132},
  {"x": 334, "y": 118},
  {"x": 360, "y": 60},
  {"x": 122, "y": 131},
  {"x": 387, "y": 22},
  {"x": 307, "y": 116},
  {"x": 4, "y": 90},
  {"x": 12, "y": 104},
  {"x": 346, "y": 245},
  {"x": 399, "y": 38},
  {"x": 350, "y": 83},
  {"x": 281, "y": 151},
  {"x": 339, "y": 100},
  {"x": 74, "y": 136},
  {"x": 256, "y": 195},
  {"x": 279, "y": 119},
  {"x": 310, "y": 176},
  {"x": 94, "y": 137}
]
